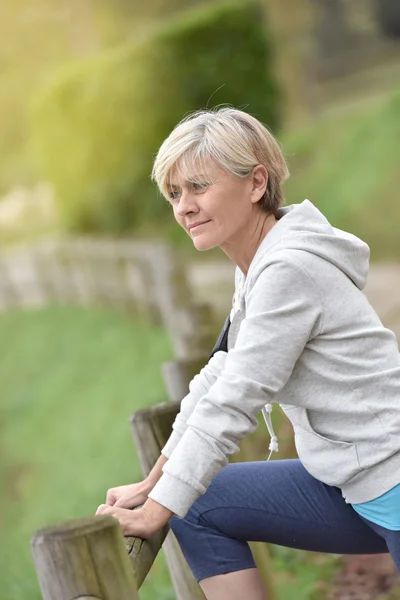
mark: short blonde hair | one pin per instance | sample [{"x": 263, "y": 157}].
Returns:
[{"x": 233, "y": 140}]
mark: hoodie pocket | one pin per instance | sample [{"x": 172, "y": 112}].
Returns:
[{"x": 331, "y": 461}]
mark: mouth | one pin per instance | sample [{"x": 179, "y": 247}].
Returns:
[{"x": 196, "y": 226}]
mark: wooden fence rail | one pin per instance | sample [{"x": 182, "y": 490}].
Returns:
[{"x": 144, "y": 278}]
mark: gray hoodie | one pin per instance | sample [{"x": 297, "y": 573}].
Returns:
[{"x": 302, "y": 335}]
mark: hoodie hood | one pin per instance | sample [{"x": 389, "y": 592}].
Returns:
[{"x": 303, "y": 227}]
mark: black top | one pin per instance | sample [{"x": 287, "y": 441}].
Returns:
[{"x": 222, "y": 341}]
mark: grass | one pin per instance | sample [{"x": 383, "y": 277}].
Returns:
[{"x": 70, "y": 379}]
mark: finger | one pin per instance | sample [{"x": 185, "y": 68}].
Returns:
[
  {"x": 110, "y": 498},
  {"x": 121, "y": 503},
  {"x": 102, "y": 509}
]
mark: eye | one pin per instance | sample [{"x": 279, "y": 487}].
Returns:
[
  {"x": 173, "y": 195},
  {"x": 199, "y": 186}
]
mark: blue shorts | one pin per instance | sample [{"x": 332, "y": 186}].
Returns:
[{"x": 277, "y": 502}]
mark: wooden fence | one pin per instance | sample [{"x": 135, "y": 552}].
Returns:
[
  {"x": 89, "y": 558},
  {"x": 137, "y": 277}
]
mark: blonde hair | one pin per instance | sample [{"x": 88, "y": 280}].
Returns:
[{"x": 233, "y": 140}]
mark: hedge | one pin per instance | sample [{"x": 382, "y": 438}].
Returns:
[{"x": 97, "y": 126}]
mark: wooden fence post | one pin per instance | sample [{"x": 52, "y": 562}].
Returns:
[
  {"x": 177, "y": 375},
  {"x": 151, "y": 428},
  {"x": 189, "y": 324},
  {"x": 84, "y": 558}
]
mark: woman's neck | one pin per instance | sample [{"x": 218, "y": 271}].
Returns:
[{"x": 243, "y": 248}]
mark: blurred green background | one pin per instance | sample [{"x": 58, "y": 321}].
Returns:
[{"x": 89, "y": 91}]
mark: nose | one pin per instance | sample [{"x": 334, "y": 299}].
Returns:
[{"x": 187, "y": 203}]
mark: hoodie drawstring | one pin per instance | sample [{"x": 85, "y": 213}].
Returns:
[{"x": 273, "y": 446}]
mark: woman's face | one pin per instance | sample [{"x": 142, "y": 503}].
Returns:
[{"x": 216, "y": 214}]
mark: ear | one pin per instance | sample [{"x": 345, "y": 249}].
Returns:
[{"x": 259, "y": 183}]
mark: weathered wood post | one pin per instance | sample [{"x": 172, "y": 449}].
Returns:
[
  {"x": 189, "y": 324},
  {"x": 84, "y": 558},
  {"x": 84, "y": 555},
  {"x": 151, "y": 428}
]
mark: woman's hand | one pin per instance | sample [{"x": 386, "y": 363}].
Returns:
[
  {"x": 128, "y": 496},
  {"x": 143, "y": 522}
]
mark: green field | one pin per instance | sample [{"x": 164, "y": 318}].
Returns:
[{"x": 69, "y": 379}]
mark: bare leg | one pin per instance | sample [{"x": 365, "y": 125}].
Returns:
[{"x": 239, "y": 585}]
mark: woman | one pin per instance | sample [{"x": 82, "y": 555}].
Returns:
[{"x": 303, "y": 335}]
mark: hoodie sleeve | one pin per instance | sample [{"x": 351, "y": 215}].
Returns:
[
  {"x": 198, "y": 387},
  {"x": 283, "y": 311}
]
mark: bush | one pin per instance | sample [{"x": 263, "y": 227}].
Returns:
[{"x": 97, "y": 127}]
